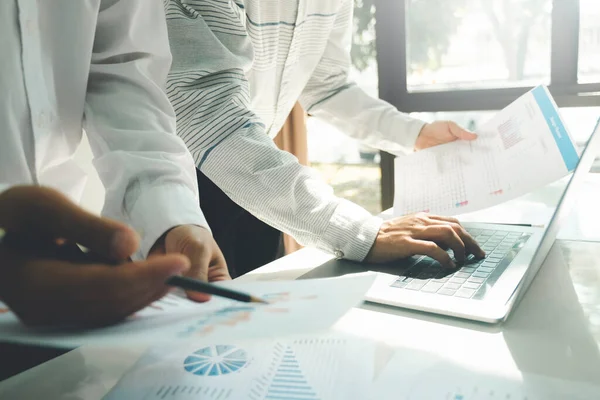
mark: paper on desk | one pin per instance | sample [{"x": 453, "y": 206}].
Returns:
[
  {"x": 295, "y": 307},
  {"x": 524, "y": 147},
  {"x": 417, "y": 375},
  {"x": 319, "y": 367}
]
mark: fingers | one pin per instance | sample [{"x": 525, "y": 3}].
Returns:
[
  {"x": 200, "y": 261},
  {"x": 446, "y": 236},
  {"x": 218, "y": 270},
  {"x": 48, "y": 213},
  {"x": 206, "y": 260},
  {"x": 459, "y": 132},
  {"x": 470, "y": 244},
  {"x": 432, "y": 250},
  {"x": 137, "y": 285},
  {"x": 405, "y": 236},
  {"x": 443, "y": 218},
  {"x": 199, "y": 256},
  {"x": 51, "y": 292}
]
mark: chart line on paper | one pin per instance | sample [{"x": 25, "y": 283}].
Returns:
[
  {"x": 303, "y": 369},
  {"x": 289, "y": 382},
  {"x": 510, "y": 133},
  {"x": 166, "y": 392}
]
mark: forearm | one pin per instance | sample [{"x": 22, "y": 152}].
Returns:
[
  {"x": 146, "y": 169},
  {"x": 228, "y": 141},
  {"x": 331, "y": 95},
  {"x": 373, "y": 121},
  {"x": 273, "y": 186}
]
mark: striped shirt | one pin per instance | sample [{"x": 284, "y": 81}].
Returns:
[{"x": 239, "y": 66}]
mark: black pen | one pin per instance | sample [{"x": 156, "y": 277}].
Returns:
[
  {"x": 196, "y": 285},
  {"x": 71, "y": 252}
]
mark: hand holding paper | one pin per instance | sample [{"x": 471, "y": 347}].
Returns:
[
  {"x": 441, "y": 132},
  {"x": 524, "y": 147}
]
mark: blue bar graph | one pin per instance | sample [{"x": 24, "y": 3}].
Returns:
[
  {"x": 289, "y": 382},
  {"x": 166, "y": 392}
]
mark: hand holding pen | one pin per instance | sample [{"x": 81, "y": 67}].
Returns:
[{"x": 45, "y": 281}]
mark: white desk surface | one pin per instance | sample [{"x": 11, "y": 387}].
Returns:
[{"x": 554, "y": 332}]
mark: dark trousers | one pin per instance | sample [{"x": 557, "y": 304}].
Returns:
[{"x": 246, "y": 242}]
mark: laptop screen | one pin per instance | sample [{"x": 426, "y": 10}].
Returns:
[{"x": 563, "y": 207}]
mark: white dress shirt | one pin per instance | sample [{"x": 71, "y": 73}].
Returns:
[
  {"x": 238, "y": 69},
  {"x": 98, "y": 65}
]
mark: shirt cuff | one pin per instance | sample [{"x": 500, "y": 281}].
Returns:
[
  {"x": 161, "y": 208},
  {"x": 351, "y": 232},
  {"x": 405, "y": 131}
]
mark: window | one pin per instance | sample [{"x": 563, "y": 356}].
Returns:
[
  {"x": 589, "y": 41},
  {"x": 458, "y": 59},
  {"x": 474, "y": 44}
]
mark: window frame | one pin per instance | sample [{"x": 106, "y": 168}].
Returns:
[{"x": 390, "y": 31}]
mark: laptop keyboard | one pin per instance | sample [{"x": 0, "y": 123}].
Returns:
[{"x": 474, "y": 278}]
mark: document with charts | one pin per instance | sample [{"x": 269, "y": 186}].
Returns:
[
  {"x": 522, "y": 148},
  {"x": 307, "y": 368},
  {"x": 294, "y": 307}
]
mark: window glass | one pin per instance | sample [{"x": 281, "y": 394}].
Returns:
[
  {"x": 475, "y": 44},
  {"x": 351, "y": 168},
  {"x": 589, "y": 41}
]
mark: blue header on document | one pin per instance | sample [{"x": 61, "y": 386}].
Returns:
[{"x": 563, "y": 141}]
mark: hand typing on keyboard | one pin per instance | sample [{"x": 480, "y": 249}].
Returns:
[
  {"x": 424, "y": 234},
  {"x": 475, "y": 278}
]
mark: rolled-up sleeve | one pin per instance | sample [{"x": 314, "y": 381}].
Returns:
[
  {"x": 333, "y": 97},
  {"x": 146, "y": 169},
  {"x": 209, "y": 90}
]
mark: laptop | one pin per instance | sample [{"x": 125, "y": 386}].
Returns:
[{"x": 481, "y": 290}]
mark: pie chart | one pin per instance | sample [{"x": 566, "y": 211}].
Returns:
[{"x": 216, "y": 360}]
